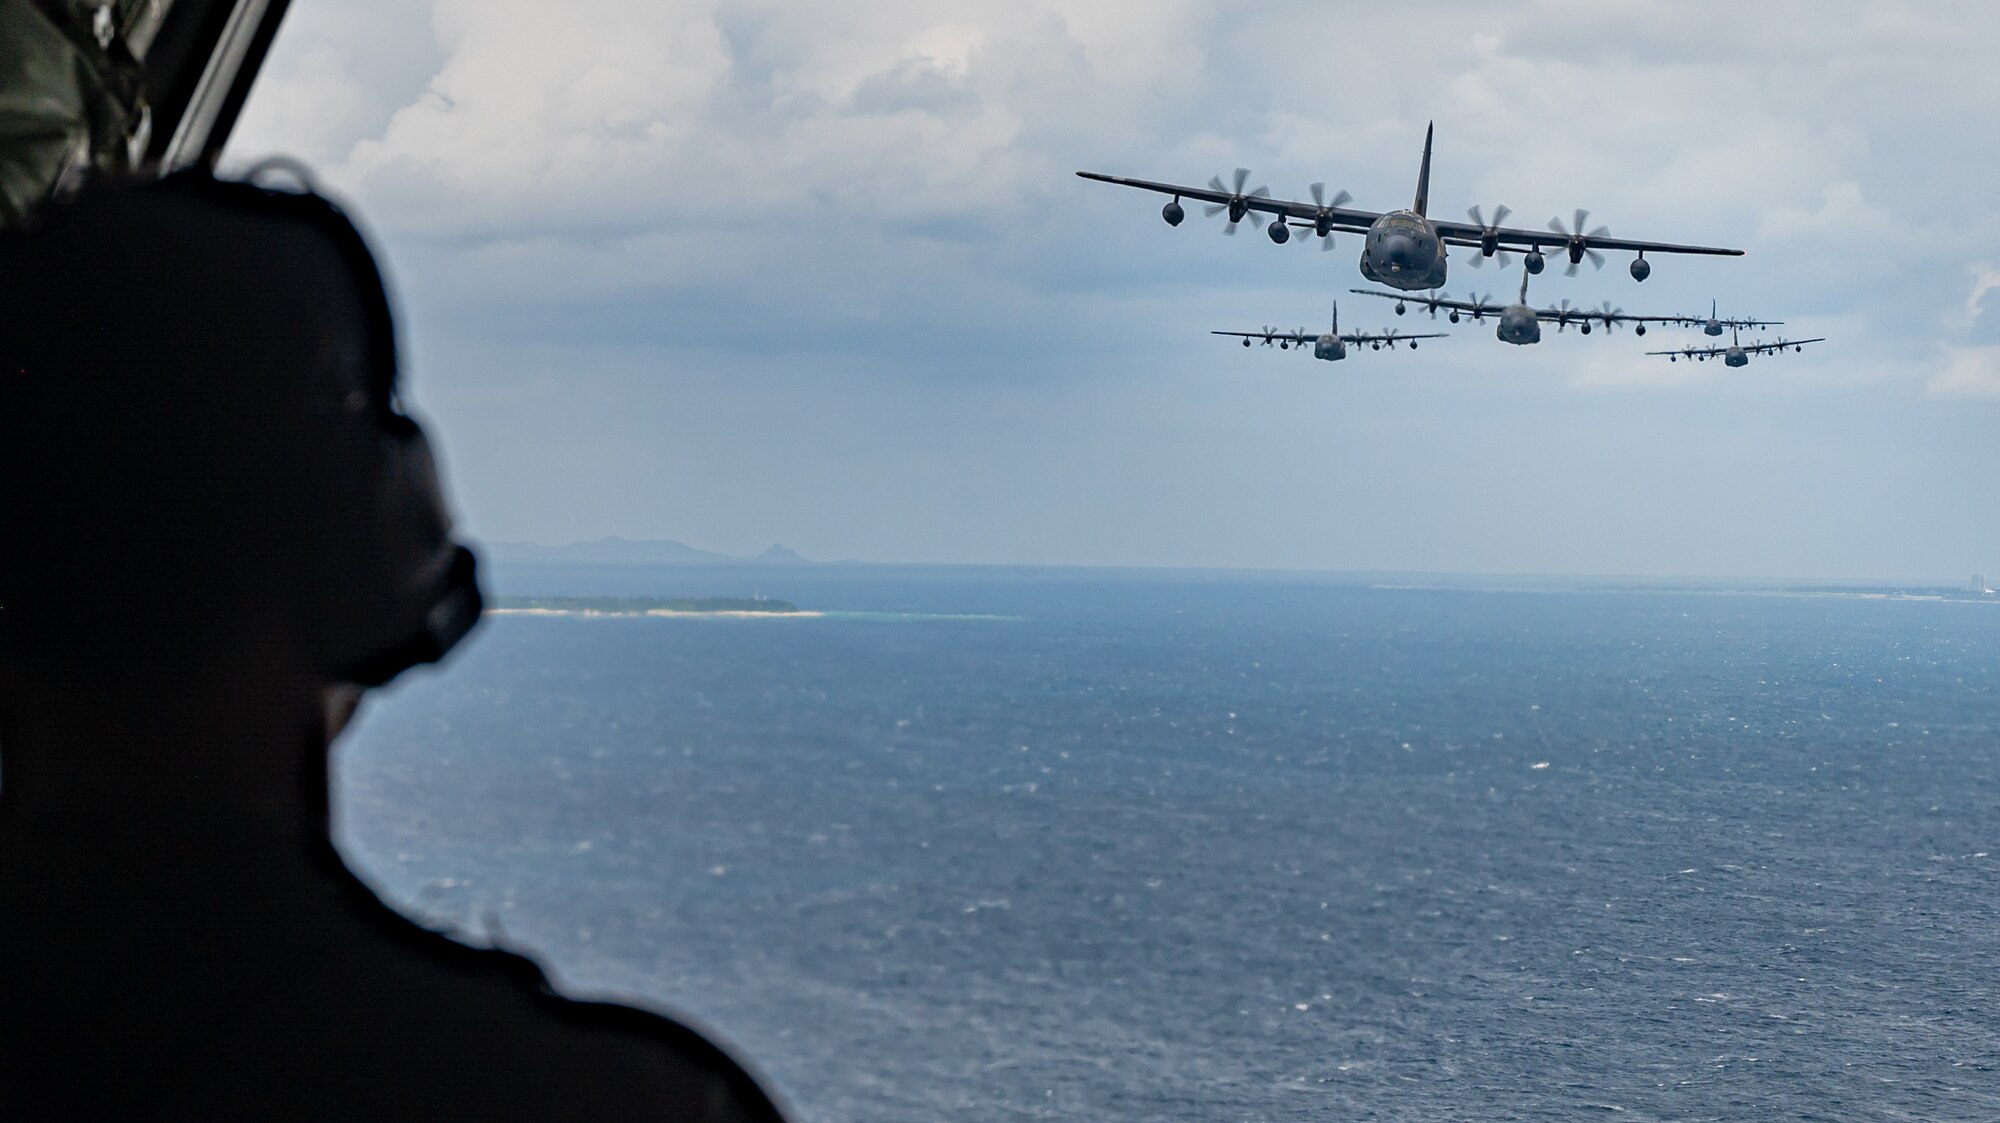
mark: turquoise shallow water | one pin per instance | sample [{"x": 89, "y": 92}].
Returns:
[{"x": 1234, "y": 847}]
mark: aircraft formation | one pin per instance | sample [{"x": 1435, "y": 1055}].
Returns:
[{"x": 1406, "y": 249}]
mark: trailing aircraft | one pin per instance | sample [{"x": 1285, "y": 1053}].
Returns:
[
  {"x": 1520, "y": 324},
  {"x": 1714, "y": 324},
  {"x": 1329, "y": 345},
  {"x": 1738, "y": 353},
  {"x": 1403, "y": 248}
]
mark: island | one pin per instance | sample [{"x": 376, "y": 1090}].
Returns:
[{"x": 645, "y": 606}]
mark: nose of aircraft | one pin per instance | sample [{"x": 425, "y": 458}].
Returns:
[{"x": 1399, "y": 253}]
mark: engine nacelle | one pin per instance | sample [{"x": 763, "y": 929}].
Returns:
[
  {"x": 1173, "y": 212},
  {"x": 1280, "y": 232},
  {"x": 1641, "y": 269},
  {"x": 1534, "y": 261}
]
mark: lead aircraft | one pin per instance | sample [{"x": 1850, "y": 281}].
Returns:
[
  {"x": 1404, "y": 248},
  {"x": 1330, "y": 345}
]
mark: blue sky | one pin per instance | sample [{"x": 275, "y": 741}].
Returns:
[{"x": 821, "y": 274}]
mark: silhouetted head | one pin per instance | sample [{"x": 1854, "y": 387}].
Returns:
[{"x": 199, "y": 430}]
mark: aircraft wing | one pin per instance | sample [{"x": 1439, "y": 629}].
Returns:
[
  {"x": 1297, "y": 339},
  {"x": 1350, "y": 219},
  {"x": 1780, "y": 345},
  {"x": 1301, "y": 339},
  {"x": 1339, "y": 218},
  {"x": 1476, "y": 307},
  {"x": 1582, "y": 315},
  {"x": 1514, "y": 237},
  {"x": 1390, "y": 337}
]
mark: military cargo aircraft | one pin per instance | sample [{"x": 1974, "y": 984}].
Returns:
[
  {"x": 1404, "y": 248},
  {"x": 1714, "y": 324},
  {"x": 1519, "y": 324},
  {"x": 1738, "y": 353},
  {"x": 1563, "y": 315},
  {"x": 1329, "y": 345}
]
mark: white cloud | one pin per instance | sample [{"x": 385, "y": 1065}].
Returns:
[
  {"x": 1984, "y": 280},
  {"x": 1969, "y": 372},
  {"x": 539, "y": 117}
]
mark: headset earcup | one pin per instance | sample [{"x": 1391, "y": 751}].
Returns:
[{"x": 417, "y": 593}]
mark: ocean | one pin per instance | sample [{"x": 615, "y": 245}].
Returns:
[{"x": 1009, "y": 844}]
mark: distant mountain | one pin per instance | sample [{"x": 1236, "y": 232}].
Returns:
[
  {"x": 628, "y": 551},
  {"x": 779, "y": 555}
]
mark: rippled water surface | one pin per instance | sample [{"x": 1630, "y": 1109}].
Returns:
[{"x": 1209, "y": 847}]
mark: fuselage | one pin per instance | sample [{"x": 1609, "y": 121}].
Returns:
[
  {"x": 1712, "y": 327},
  {"x": 1519, "y": 324},
  {"x": 1403, "y": 250},
  {"x": 1736, "y": 357},
  {"x": 1330, "y": 348}
]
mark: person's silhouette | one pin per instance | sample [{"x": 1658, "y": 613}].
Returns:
[{"x": 215, "y": 526}]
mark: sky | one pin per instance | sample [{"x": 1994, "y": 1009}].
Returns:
[{"x": 821, "y": 274}]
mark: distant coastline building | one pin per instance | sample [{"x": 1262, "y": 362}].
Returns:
[{"x": 1978, "y": 585}]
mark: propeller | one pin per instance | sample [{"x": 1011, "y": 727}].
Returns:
[
  {"x": 1299, "y": 337},
  {"x": 1489, "y": 236},
  {"x": 1610, "y": 317},
  {"x": 1430, "y": 301},
  {"x": 1479, "y": 307},
  {"x": 1579, "y": 242},
  {"x": 1238, "y": 205},
  {"x": 1270, "y": 334},
  {"x": 1322, "y": 223},
  {"x": 1563, "y": 314}
]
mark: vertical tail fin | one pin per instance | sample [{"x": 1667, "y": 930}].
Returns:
[
  {"x": 1424, "y": 176},
  {"x": 1336, "y": 317},
  {"x": 1711, "y": 308}
]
